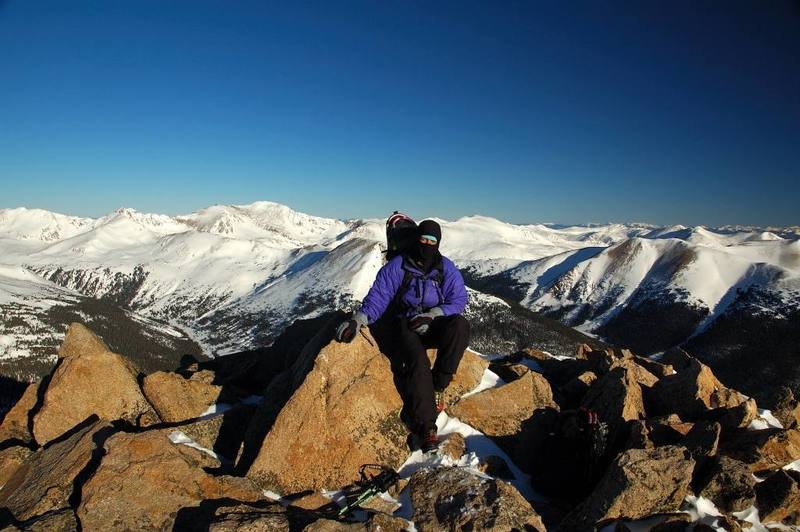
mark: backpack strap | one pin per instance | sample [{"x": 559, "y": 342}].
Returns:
[
  {"x": 436, "y": 275},
  {"x": 398, "y": 296}
]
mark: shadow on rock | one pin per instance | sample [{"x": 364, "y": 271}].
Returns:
[
  {"x": 297, "y": 348},
  {"x": 230, "y": 514}
]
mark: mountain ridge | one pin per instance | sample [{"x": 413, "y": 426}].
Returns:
[{"x": 236, "y": 275}]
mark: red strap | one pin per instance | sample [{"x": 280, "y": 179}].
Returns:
[{"x": 396, "y": 217}]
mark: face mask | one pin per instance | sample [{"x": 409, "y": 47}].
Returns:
[
  {"x": 426, "y": 255},
  {"x": 426, "y": 251}
]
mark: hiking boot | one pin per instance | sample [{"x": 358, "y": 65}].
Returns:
[
  {"x": 429, "y": 442},
  {"x": 440, "y": 400}
]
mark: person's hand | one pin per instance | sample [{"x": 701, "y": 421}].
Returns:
[
  {"x": 422, "y": 322},
  {"x": 346, "y": 331}
]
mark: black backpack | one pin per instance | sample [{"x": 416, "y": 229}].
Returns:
[
  {"x": 401, "y": 233},
  {"x": 572, "y": 455}
]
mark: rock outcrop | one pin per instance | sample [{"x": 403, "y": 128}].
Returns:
[
  {"x": 453, "y": 446},
  {"x": 45, "y": 481},
  {"x": 11, "y": 459},
  {"x": 144, "y": 480},
  {"x": 763, "y": 450},
  {"x": 728, "y": 483},
  {"x": 222, "y": 433},
  {"x": 779, "y": 497},
  {"x": 56, "y": 521},
  {"x": 249, "y": 518},
  {"x": 617, "y": 397},
  {"x": 15, "y": 425},
  {"x": 345, "y": 414},
  {"x": 450, "y": 498},
  {"x": 90, "y": 380},
  {"x": 177, "y": 398},
  {"x": 692, "y": 391},
  {"x": 98, "y": 457},
  {"x": 703, "y": 439},
  {"x": 501, "y": 411},
  {"x": 469, "y": 374},
  {"x": 787, "y": 408},
  {"x": 639, "y": 483}
]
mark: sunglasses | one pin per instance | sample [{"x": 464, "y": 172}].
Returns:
[{"x": 428, "y": 239}]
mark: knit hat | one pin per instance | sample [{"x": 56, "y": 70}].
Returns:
[{"x": 429, "y": 228}]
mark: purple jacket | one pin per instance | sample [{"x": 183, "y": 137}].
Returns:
[{"x": 423, "y": 292}]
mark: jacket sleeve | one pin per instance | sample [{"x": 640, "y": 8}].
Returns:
[
  {"x": 454, "y": 292},
  {"x": 383, "y": 290}
]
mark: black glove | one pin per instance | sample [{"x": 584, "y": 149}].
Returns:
[
  {"x": 421, "y": 322},
  {"x": 346, "y": 332}
]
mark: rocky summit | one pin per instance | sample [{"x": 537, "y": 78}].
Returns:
[{"x": 278, "y": 439}]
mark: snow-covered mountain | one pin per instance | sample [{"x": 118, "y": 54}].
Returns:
[
  {"x": 34, "y": 313},
  {"x": 698, "y": 269},
  {"x": 41, "y": 225},
  {"x": 234, "y": 276},
  {"x": 732, "y": 299}
]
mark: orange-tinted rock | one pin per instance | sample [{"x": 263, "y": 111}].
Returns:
[
  {"x": 734, "y": 417},
  {"x": 343, "y": 415},
  {"x": 509, "y": 372},
  {"x": 252, "y": 517},
  {"x": 693, "y": 391},
  {"x": 703, "y": 440},
  {"x": 11, "y": 458},
  {"x": 500, "y": 411},
  {"x": 787, "y": 408},
  {"x": 469, "y": 374},
  {"x": 763, "y": 450},
  {"x": 728, "y": 483},
  {"x": 176, "y": 398},
  {"x": 642, "y": 375},
  {"x": 481, "y": 504},
  {"x": 79, "y": 340},
  {"x": 617, "y": 398},
  {"x": 90, "y": 381},
  {"x": 144, "y": 480},
  {"x": 532, "y": 353},
  {"x": 778, "y": 498},
  {"x": 453, "y": 446},
  {"x": 15, "y": 424},
  {"x": 639, "y": 483},
  {"x": 45, "y": 481}
]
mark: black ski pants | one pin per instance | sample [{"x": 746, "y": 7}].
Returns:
[{"x": 413, "y": 376}]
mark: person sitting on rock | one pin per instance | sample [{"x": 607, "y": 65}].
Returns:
[{"x": 415, "y": 303}]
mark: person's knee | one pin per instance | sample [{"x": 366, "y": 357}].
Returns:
[
  {"x": 416, "y": 358},
  {"x": 460, "y": 324}
]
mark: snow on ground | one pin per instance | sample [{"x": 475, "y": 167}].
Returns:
[
  {"x": 489, "y": 380},
  {"x": 220, "y": 408},
  {"x": 179, "y": 438},
  {"x": 764, "y": 420},
  {"x": 7, "y": 346},
  {"x": 701, "y": 511}
]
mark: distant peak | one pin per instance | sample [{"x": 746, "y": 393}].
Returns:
[{"x": 126, "y": 211}]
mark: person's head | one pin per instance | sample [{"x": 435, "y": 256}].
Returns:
[{"x": 429, "y": 236}]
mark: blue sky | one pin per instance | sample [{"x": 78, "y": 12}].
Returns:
[{"x": 663, "y": 112}]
